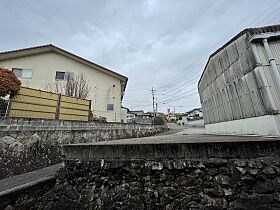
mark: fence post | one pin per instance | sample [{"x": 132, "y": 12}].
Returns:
[
  {"x": 58, "y": 107},
  {"x": 8, "y": 108},
  {"x": 89, "y": 110}
]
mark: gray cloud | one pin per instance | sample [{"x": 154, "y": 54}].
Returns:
[{"x": 153, "y": 42}]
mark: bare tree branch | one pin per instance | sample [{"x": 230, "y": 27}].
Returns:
[{"x": 75, "y": 87}]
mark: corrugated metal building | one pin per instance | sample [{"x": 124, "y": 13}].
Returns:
[{"x": 240, "y": 86}]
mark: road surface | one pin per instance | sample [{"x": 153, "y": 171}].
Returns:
[
  {"x": 174, "y": 128},
  {"x": 187, "y": 135}
]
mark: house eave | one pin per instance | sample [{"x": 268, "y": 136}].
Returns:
[{"x": 51, "y": 48}]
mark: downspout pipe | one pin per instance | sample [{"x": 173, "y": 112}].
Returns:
[
  {"x": 272, "y": 63},
  {"x": 259, "y": 74}
]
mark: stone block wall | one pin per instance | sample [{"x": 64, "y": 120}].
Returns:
[
  {"x": 28, "y": 198},
  {"x": 224, "y": 175},
  {"x": 215, "y": 183},
  {"x": 30, "y": 145}
]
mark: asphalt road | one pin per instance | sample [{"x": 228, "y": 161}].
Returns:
[
  {"x": 174, "y": 128},
  {"x": 187, "y": 135}
]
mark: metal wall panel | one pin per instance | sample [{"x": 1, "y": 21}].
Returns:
[
  {"x": 256, "y": 98},
  {"x": 236, "y": 70},
  {"x": 228, "y": 88},
  {"x": 221, "y": 107},
  {"x": 229, "y": 76},
  {"x": 268, "y": 75},
  {"x": 261, "y": 54},
  {"x": 275, "y": 48},
  {"x": 215, "y": 111},
  {"x": 244, "y": 98},
  {"x": 266, "y": 71},
  {"x": 225, "y": 59},
  {"x": 227, "y": 106},
  {"x": 242, "y": 48},
  {"x": 217, "y": 64},
  {"x": 232, "y": 53},
  {"x": 214, "y": 71},
  {"x": 234, "y": 102}
]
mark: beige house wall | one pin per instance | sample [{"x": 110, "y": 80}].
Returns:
[{"x": 104, "y": 89}]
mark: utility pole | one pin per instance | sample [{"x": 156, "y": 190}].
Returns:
[
  {"x": 156, "y": 108},
  {"x": 153, "y": 94}
]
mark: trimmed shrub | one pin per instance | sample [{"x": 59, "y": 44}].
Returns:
[{"x": 9, "y": 83}]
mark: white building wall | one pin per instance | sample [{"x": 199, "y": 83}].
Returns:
[
  {"x": 268, "y": 125},
  {"x": 44, "y": 67},
  {"x": 124, "y": 115}
]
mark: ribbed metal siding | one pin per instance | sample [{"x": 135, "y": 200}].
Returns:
[
  {"x": 266, "y": 72},
  {"x": 228, "y": 88},
  {"x": 255, "y": 95},
  {"x": 275, "y": 48}
]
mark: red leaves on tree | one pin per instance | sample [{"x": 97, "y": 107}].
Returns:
[{"x": 9, "y": 83}]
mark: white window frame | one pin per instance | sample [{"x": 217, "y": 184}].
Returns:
[
  {"x": 22, "y": 73},
  {"x": 66, "y": 73}
]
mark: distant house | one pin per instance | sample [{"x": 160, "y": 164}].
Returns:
[
  {"x": 139, "y": 117},
  {"x": 126, "y": 115},
  {"x": 40, "y": 65},
  {"x": 130, "y": 116},
  {"x": 194, "y": 116},
  {"x": 141, "y": 114}
]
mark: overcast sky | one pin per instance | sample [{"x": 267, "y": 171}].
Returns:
[{"x": 155, "y": 43}]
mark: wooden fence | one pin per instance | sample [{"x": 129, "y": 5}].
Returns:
[{"x": 32, "y": 103}]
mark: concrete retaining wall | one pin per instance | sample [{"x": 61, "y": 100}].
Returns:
[
  {"x": 29, "y": 145},
  {"x": 28, "y": 197},
  {"x": 234, "y": 175}
]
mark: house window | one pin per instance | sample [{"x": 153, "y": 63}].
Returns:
[
  {"x": 110, "y": 107},
  {"x": 22, "y": 73},
  {"x": 61, "y": 75}
]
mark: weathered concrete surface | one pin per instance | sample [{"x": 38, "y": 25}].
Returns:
[
  {"x": 30, "y": 145},
  {"x": 23, "y": 191},
  {"x": 166, "y": 172},
  {"x": 242, "y": 149},
  {"x": 27, "y": 180},
  {"x": 181, "y": 174}
]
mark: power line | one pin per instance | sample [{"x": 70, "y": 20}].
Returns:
[
  {"x": 265, "y": 18},
  {"x": 173, "y": 96},
  {"x": 266, "y": 11},
  {"x": 183, "y": 78},
  {"x": 172, "y": 92},
  {"x": 179, "y": 79},
  {"x": 179, "y": 98}
]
